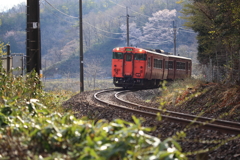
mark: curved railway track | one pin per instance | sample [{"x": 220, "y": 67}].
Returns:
[{"x": 204, "y": 122}]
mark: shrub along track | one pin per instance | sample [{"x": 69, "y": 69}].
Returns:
[{"x": 218, "y": 144}]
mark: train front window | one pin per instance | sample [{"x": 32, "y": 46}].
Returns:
[
  {"x": 140, "y": 57},
  {"x": 128, "y": 57},
  {"x": 117, "y": 55}
]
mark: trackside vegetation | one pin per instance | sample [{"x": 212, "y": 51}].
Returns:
[{"x": 33, "y": 125}]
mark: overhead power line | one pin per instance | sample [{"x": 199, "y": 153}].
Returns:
[
  {"x": 109, "y": 37},
  {"x": 151, "y": 42},
  {"x": 118, "y": 4},
  {"x": 78, "y": 18},
  {"x": 184, "y": 30},
  {"x": 139, "y": 13},
  {"x": 57, "y": 16},
  {"x": 60, "y": 11},
  {"x": 130, "y": 9},
  {"x": 100, "y": 29}
]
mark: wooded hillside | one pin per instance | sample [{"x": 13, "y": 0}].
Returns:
[{"x": 104, "y": 26}]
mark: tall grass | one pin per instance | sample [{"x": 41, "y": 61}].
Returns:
[{"x": 174, "y": 92}]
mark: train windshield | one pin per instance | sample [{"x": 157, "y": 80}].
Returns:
[
  {"x": 117, "y": 55},
  {"x": 140, "y": 56}
]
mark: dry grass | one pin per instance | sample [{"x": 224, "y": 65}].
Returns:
[
  {"x": 197, "y": 97},
  {"x": 73, "y": 84}
]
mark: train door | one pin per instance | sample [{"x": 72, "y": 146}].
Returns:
[
  {"x": 150, "y": 66},
  {"x": 128, "y": 64},
  {"x": 163, "y": 68}
]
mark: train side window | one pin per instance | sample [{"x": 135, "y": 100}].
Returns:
[
  {"x": 117, "y": 55},
  {"x": 160, "y": 64},
  {"x": 181, "y": 65},
  {"x": 157, "y": 63},
  {"x": 178, "y": 65},
  {"x": 170, "y": 64},
  {"x": 166, "y": 64},
  {"x": 149, "y": 62},
  {"x": 184, "y": 65},
  {"x": 128, "y": 57}
]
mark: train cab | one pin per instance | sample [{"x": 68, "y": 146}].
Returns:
[{"x": 128, "y": 66}]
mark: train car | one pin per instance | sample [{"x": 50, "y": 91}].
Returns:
[{"x": 138, "y": 67}]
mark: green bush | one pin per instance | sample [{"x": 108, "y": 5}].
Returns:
[{"x": 33, "y": 127}]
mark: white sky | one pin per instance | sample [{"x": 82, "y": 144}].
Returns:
[{"x": 7, "y": 4}]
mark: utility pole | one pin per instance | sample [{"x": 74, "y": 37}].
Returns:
[
  {"x": 175, "y": 37},
  {"x": 33, "y": 46},
  {"x": 8, "y": 59},
  {"x": 127, "y": 18},
  {"x": 81, "y": 47},
  {"x": 127, "y": 26}
]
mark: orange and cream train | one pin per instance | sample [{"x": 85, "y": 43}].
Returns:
[{"x": 138, "y": 67}]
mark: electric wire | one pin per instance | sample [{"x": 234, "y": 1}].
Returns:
[
  {"x": 136, "y": 11},
  {"x": 129, "y": 7},
  {"x": 118, "y": 4},
  {"x": 112, "y": 17},
  {"x": 109, "y": 37},
  {"x": 100, "y": 29},
  {"x": 78, "y": 17},
  {"x": 184, "y": 30},
  {"x": 58, "y": 15},
  {"x": 160, "y": 42},
  {"x": 150, "y": 42},
  {"x": 60, "y": 11}
]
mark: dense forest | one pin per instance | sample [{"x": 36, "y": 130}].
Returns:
[
  {"x": 104, "y": 27},
  {"x": 217, "y": 23}
]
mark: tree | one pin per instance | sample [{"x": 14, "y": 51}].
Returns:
[
  {"x": 134, "y": 32},
  {"x": 2, "y": 47},
  {"x": 217, "y": 23},
  {"x": 93, "y": 69},
  {"x": 156, "y": 32},
  {"x": 218, "y": 26}
]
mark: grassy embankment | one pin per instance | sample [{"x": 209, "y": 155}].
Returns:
[{"x": 199, "y": 97}]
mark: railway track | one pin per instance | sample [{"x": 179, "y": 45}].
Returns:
[{"x": 191, "y": 120}]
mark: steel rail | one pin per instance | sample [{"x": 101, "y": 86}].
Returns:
[
  {"x": 186, "y": 120},
  {"x": 184, "y": 115}
]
